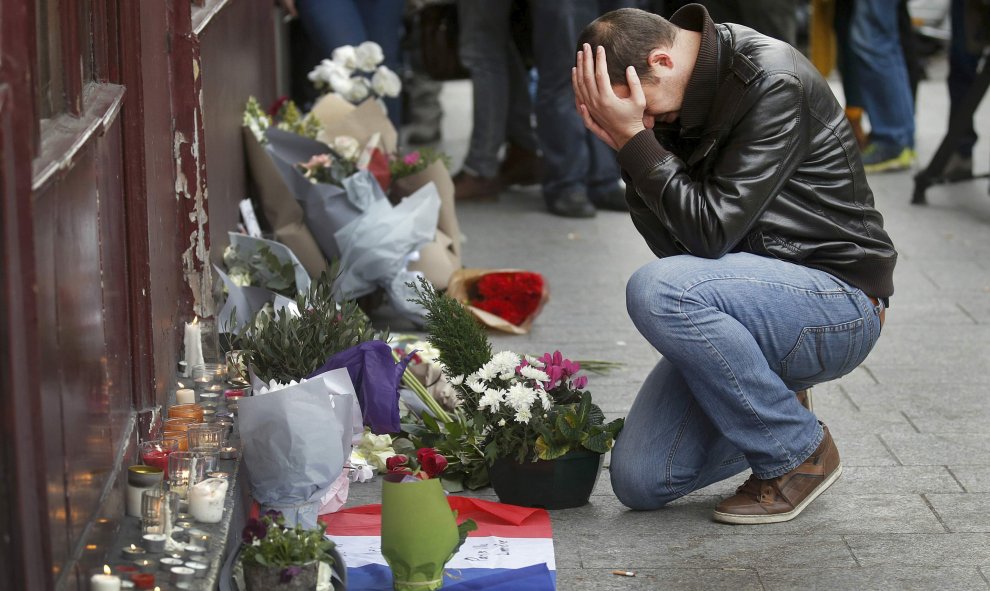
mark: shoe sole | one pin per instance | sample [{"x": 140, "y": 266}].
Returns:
[{"x": 780, "y": 517}]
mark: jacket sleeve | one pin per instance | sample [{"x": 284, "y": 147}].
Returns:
[{"x": 711, "y": 216}]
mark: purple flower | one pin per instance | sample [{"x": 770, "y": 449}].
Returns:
[
  {"x": 288, "y": 573},
  {"x": 579, "y": 382},
  {"x": 254, "y": 530},
  {"x": 273, "y": 515}
]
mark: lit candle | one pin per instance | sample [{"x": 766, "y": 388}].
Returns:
[
  {"x": 132, "y": 552},
  {"x": 198, "y": 567},
  {"x": 146, "y": 565},
  {"x": 194, "y": 345},
  {"x": 104, "y": 581},
  {"x": 206, "y": 500},
  {"x": 182, "y": 574},
  {"x": 185, "y": 396},
  {"x": 228, "y": 453},
  {"x": 168, "y": 562}
]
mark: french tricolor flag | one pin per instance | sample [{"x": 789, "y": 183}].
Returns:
[{"x": 512, "y": 549}]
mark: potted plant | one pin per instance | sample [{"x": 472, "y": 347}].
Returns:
[
  {"x": 541, "y": 436},
  {"x": 275, "y": 557}
]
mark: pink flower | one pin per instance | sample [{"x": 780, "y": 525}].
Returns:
[
  {"x": 411, "y": 159},
  {"x": 319, "y": 161},
  {"x": 579, "y": 382}
]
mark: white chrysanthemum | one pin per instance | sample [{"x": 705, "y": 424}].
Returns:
[
  {"x": 520, "y": 397},
  {"x": 534, "y": 361},
  {"x": 528, "y": 371},
  {"x": 492, "y": 398},
  {"x": 545, "y": 400},
  {"x": 359, "y": 90},
  {"x": 478, "y": 386},
  {"x": 368, "y": 55},
  {"x": 505, "y": 363},
  {"x": 456, "y": 380},
  {"x": 523, "y": 415},
  {"x": 346, "y": 146},
  {"x": 487, "y": 372},
  {"x": 385, "y": 82},
  {"x": 345, "y": 56}
]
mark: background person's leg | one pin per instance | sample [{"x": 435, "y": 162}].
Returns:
[
  {"x": 668, "y": 447},
  {"x": 746, "y": 332}
]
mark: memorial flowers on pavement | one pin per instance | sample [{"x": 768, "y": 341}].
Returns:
[
  {"x": 355, "y": 73},
  {"x": 270, "y": 544}
]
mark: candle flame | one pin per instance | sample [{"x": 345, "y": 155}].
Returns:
[
  {"x": 133, "y": 547},
  {"x": 196, "y": 320},
  {"x": 106, "y": 569}
]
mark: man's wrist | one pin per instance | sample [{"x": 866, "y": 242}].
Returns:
[{"x": 623, "y": 138}]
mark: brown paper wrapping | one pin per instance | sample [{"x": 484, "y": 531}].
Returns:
[
  {"x": 462, "y": 283},
  {"x": 438, "y": 173},
  {"x": 282, "y": 211},
  {"x": 339, "y": 117},
  {"x": 437, "y": 261}
]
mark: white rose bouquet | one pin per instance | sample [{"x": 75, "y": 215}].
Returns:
[{"x": 356, "y": 73}]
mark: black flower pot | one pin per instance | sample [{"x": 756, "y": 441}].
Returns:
[{"x": 551, "y": 484}]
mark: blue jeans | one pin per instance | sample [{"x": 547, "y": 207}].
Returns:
[
  {"x": 878, "y": 77},
  {"x": 332, "y": 23},
  {"x": 502, "y": 106},
  {"x": 739, "y": 335},
  {"x": 573, "y": 158}
]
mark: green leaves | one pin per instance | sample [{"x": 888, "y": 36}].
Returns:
[
  {"x": 462, "y": 341},
  {"x": 286, "y": 347}
]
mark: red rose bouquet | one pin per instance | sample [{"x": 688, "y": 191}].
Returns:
[{"x": 506, "y": 300}]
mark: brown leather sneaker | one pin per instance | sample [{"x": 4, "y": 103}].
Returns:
[
  {"x": 472, "y": 187},
  {"x": 785, "y": 497},
  {"x": 804, "y": 397}
]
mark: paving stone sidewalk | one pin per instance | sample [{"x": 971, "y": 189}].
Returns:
[{"x": 912, "y": 509}]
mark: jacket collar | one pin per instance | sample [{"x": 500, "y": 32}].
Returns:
[{"x": 700, "y": 92}]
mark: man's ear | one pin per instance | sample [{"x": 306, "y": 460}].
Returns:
[{"x": 659, "y": 58}]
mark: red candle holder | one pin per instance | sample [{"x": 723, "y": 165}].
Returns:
[
  {"x": 155, "y": 453},
  {"x": 143, "y": 581}
]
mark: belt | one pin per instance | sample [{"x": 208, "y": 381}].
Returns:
[{"x": 883, "y": 310}]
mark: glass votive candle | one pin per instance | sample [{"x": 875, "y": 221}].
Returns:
[
  {"x": 184, "y": 470},
  {"x": 186, "y": 411},
  {"x": 139, "y": 479},
  {"x": 155, "y": 452},
  {"x": 210, "y": 399},
  {"x": 210, "y": 459},
  {"x": 205, "y": 437}
]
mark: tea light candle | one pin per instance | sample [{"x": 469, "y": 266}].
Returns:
[
  {"x": 223, "y": 475},
  {"x": 104, "y": 581},
  {"x": 146, "y": 565},
  {"x": 125, "y": 584},
  {"x": 182, "y": 574},
  {"x": 209, "y": 415},
  {"x": 154, "y": 543},
  {"x": 132, "y": 552},
  {"x": 184, "y": 524},
  {"x": 168, "y": 562},
  {"x": 199, "y": 537},
  {"x": 199, "y": 568},
  {"x": 206, "y": 500},
  {"x": 185, "y": 396},
  {"x": 194, "y": 549},
  {"x": 228, "y": 453}
]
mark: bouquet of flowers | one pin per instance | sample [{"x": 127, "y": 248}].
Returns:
[
  {"x": 507, "y": 300},
  {"x": 415, "y": 162},
  {"x": 356, "y": 73},
  {"x": 276, "y": 554}
]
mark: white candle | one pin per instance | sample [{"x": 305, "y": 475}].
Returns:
[
  {"x": 185, "y": 396},
  {"x": 194, "y": 345},
  {"x": 105, "y": 581},
  {"x": 206, "y": 500}
]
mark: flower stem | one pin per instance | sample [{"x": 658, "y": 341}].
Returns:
[{"x": 410, "y": 381}]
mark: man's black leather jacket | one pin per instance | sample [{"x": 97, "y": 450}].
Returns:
[{"x": 772, "y": 168}]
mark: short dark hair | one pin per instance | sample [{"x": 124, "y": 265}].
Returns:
[{"x": 628, "y": 36}]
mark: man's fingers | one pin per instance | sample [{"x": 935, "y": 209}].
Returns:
[
  {"x": 578, "y": 98},
  {"x": 588, "y": 73},
  {"x": 601, "y": 73},
  {"x": 635, "y": 87}
]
